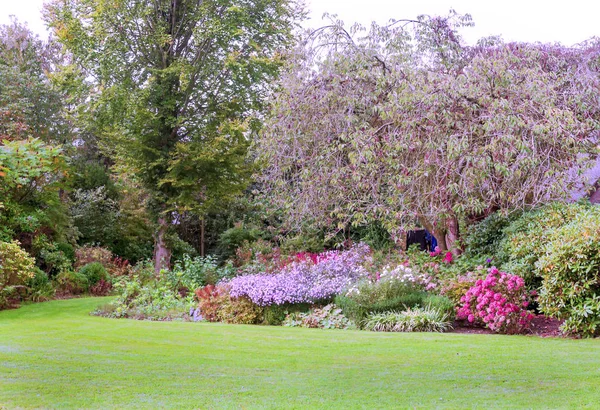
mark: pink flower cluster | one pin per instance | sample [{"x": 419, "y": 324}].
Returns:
[{"x": 499, "y": 301}]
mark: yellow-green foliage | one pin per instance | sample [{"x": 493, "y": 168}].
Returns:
[
  {"x": 240, "y": 311},
  {"x": 16, "y": 266},
  {"x": 570, "y": 269},
  {"x": 525, "y": 238}
]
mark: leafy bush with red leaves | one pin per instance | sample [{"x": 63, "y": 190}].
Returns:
[
  {"x": 101, "y": 288},
  {"x": 211, "y": 299}
]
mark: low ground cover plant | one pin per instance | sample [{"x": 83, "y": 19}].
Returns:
[
  {"x": 417, "y": 319},
  {"x": 326, "y": 317}
]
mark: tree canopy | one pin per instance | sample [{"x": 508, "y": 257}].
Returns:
[
  {"x": 406, "y": 125},
  {"x": 177, "y": 86}
]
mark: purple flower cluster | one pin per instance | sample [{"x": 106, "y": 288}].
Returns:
[{"x": 304, "y": 281}]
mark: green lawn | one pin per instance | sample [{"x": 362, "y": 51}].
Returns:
[{"x": 54, "y": 355}]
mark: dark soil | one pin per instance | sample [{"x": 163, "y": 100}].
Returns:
[
  {"x": 541, "y": 326},
  {"x": 545, "y": 326}
]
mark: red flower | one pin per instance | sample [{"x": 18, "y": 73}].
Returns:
[{"x": 448, "y": 257}]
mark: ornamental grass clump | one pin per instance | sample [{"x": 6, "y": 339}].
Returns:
[
  {"x": 304, "y": 281},
  {"x": 499, "y": 302},
  {"x": 419, "y": 319}
]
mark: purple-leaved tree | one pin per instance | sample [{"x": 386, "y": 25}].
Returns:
[{"x": 406, "y": 125}]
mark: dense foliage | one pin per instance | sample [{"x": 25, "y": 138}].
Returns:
[
  {"x": 570, "y": 271},
  {"x": 175, "y": 87},
  {"x": 406, "y": 125},
  {"x": 136, "y": 132}
]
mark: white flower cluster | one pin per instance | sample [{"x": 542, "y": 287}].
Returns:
[{"x": 401, "y": 273}]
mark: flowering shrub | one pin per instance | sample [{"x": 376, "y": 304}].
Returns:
[
  {"x": 304, "y": 281},
  {"x": 456, "y": 288},
  {"x": 387, "y": 285},
  {"x": 499, "y": 301},
  {"x": 403, "y": 274}
]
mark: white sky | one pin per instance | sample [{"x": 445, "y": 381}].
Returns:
[{"x": 567, "y": 22}]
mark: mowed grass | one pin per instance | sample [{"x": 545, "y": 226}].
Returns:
[{"x": 54, "y": 355}]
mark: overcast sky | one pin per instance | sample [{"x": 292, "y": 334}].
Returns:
[{"x": 567, "y": 22}]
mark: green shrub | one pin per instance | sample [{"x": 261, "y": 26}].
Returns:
[
  {"x": 440, "y": 303},
  {"x": 240, "y": 311},
  {"x": 94, "y": 272},
  {"x": 141, "y": 297},
  {"x": 39, "y": 287},
  {"x": 73, "y": 283},
  {"x": 274, "y": 315},
  {"x": 526, "y": 237},
  {"x": 235, "y": 237},
  {"x": 411, "y": 320},
  {"x": 87, "y": 254},
  {"x": 193, "y": 273},
  {"x": 483, "y": 238},
  {"x": 570, "y": 269},
  {"x": 357, "y": 309},
  {"x": 16, "y": 266},
  {"x": 179, "y": 247},
  {"x": 327, "y": 317}
]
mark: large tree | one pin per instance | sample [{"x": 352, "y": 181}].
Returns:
[
  {"x": 30, "y": 105},
  {"x": 177, "y": 86},
  {"x": 405, "y": 124}
]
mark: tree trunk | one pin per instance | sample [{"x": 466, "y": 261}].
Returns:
[
  {"x": 438, "y": 232},
  {"x": 202, "y": 238},
  {"x": 162, "y": 253},
  {"x": 440, "y": 237},
  {"x": 453, "y": 235}
]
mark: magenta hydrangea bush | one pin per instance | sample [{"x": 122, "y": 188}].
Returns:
[
  {"x": 307, "y": 280},
  {"x": 499, "y": 302}
]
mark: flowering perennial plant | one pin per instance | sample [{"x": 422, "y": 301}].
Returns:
[
  {"x": 306, "y": 280},
  {"x": 406, "y": 274},
  {"x": 499, "y": 301}
]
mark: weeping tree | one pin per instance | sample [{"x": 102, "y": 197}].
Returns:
[
  {"x": 406, "y": 125},
  {"x": 177, "y": 87}
]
